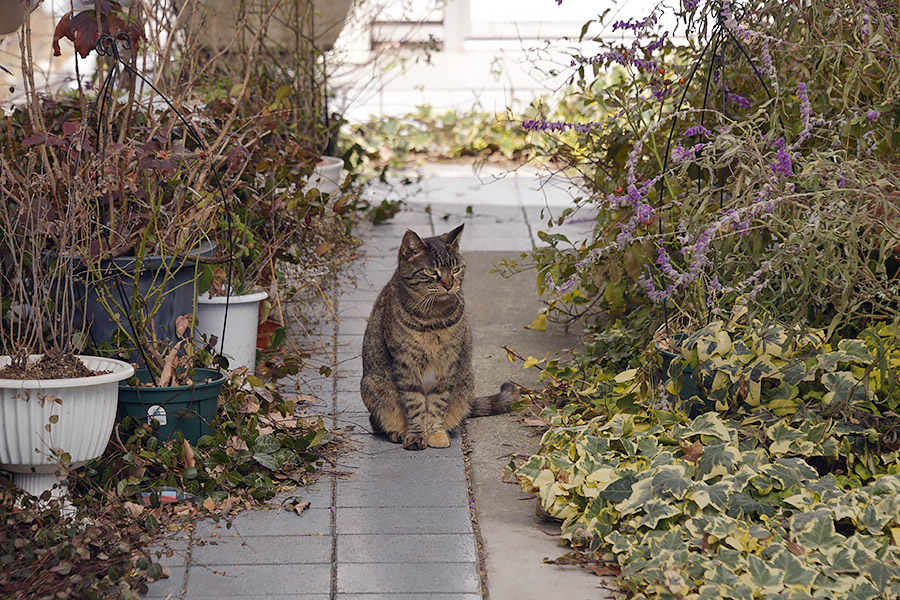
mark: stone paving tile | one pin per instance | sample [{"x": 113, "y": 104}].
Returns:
[
  {"x": 169, "y": 587},
  {"x": 396, "y": 596},
  {"x": 295, "y": 596},
  {"x": 420, "y": 578},
  {"x": 406, "y": 549},
  {"x": 259, "y": 580},
  {"x": 353, "y": 326},
  {"x": 271, "y": 522},
  {"x": 260, "y": 550},
  {"x": 350, "y": 402},
  {"x": 402, "y": 482},
  {"x": 411, "y": 520}
]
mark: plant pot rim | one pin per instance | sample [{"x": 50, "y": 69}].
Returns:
[
  {"x": 330, "y": 161},
  {"x": 120, "y": 370},
  {"x": 218, "y": 378},
  {"x": 204, "y": 298}
]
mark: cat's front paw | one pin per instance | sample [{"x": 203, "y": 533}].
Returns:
[
  {"x": 439, "y": 439},
  {"x": 414, "y": 441}
]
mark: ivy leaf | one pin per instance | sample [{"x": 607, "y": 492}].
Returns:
[
  {"x": 715, "y": 495},
  {"x": 720, "y": 459},
  {"x": 790, "y": 472},
  {"x": 266, "y": 444},
  {"x": 266, "y": 460},
  {"x": 670, "y": 482},
  {"x": 762, "y": 575},
  {"x": 857, "y": 349},
  {"x": 881, "y": 574},
  {"x": 782, "y": 436},
  {"x": 710, "y": 424},
  {"x": 844, "y": 388},
  {"x": 795, "y": 572},
  {"x": 619, "y": 490},
  {"x": 655, "y": 510},
  {"x": 743, "y": 504},
  {"x": 819, "y": 533}
]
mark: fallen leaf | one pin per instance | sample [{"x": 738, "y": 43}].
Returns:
[
  {"x": 209, "y": 504},
  {"x": 188, "y": 455},
  {"x": 300, "y": 507},
  {"x": 539, "y": 324},
  {"x": 692, "y": 452},
  {"x": 795, "y": 548},
  {"x": 134, "y": 509},
  {"x": 225, "y": 507},
  {"x": 605, "y": 570},
  {"x": 530, "y": 362}
]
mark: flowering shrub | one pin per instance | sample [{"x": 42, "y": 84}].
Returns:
[{"x": 754, "y": 166}]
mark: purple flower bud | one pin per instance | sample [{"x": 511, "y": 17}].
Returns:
[{"x": 872, "y": 114}]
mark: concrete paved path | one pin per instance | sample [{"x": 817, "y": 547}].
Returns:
[{"x": 390, "y": 523}]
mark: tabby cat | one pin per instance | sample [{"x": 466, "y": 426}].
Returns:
[{"x": 417, "y": 350}]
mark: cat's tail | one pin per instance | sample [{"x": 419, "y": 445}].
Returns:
[{"x": 495, "y": 404}]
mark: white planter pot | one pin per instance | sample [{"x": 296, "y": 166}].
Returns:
[
  {"x": 240, "y": 330},
  {"x": 327, "y": 176},
  {"x": 86, "y": 412}
]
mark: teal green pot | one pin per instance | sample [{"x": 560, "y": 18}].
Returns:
[
  {"x": 690, "y": 398},
  {"x": 189, "y": 409}
]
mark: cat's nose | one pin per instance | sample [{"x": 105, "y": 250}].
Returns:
[{"x": 447, "y": 283}]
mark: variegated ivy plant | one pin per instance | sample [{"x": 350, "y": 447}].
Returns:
[
  {"x": 769, "y": 366},
  {"x": 713, "y": 509}
]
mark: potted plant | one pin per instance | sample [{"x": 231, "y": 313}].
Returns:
[
  {"x": 57, "y": 407},
  {"x": 229, "y": 315}
]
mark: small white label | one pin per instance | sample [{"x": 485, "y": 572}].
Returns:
[{"x": 156, "y": 412}]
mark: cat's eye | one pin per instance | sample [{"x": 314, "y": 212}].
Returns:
[
  {"x": 430, "y": 272},
  {"x": 455, "y": 270}
]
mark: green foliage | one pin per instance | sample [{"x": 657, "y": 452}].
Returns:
[
  {"x": 48, "y": 552},
  {"x": 255, "y": 437},
  {"x": 783, "y": 370},
  {"x": 709, "y": 508},
  {"x": 815, "y": 247}
]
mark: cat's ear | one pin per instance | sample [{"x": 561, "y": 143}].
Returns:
[
  {"x": 411, "y": 246},
  {"x": 451, "y": 238}
]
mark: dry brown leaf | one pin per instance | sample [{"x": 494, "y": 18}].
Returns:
[
  {"x": 605, "y": 570},
  {"x": 795, "y": 548},
  {"x": 209, "y": 504},
  {"x": 251, "y": 404},
  {"x": 168, "y": 370},
  {"x": 692, "y": 452},
  {"x": 134, "y": 509},
  {"x": 300, "y": 507},
  {"x": 226, "y": 505},
  {"x": 182, "y": 324},
  {"x": 188, "y": 455},
  {"x": 235, "y": 443}
]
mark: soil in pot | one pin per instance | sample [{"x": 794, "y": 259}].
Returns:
[{"x": 53, "y": 365}]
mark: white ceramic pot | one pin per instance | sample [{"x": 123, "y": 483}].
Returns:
[
  {"x": 327, "y": 175},
  {"x": 240, "y": 330},
  {"x": 86, "y": 413},
  {"x": 12, "y": 14}
]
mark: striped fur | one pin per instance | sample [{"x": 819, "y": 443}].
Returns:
[{"x": 417, "y": 350}]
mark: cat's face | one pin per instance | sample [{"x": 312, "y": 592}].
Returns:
[{"x": 432, "y": 267}]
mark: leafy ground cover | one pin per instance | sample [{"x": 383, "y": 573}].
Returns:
[
  {"x": 96, "y": 545},
  {"x": 730, "y": 430}
]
